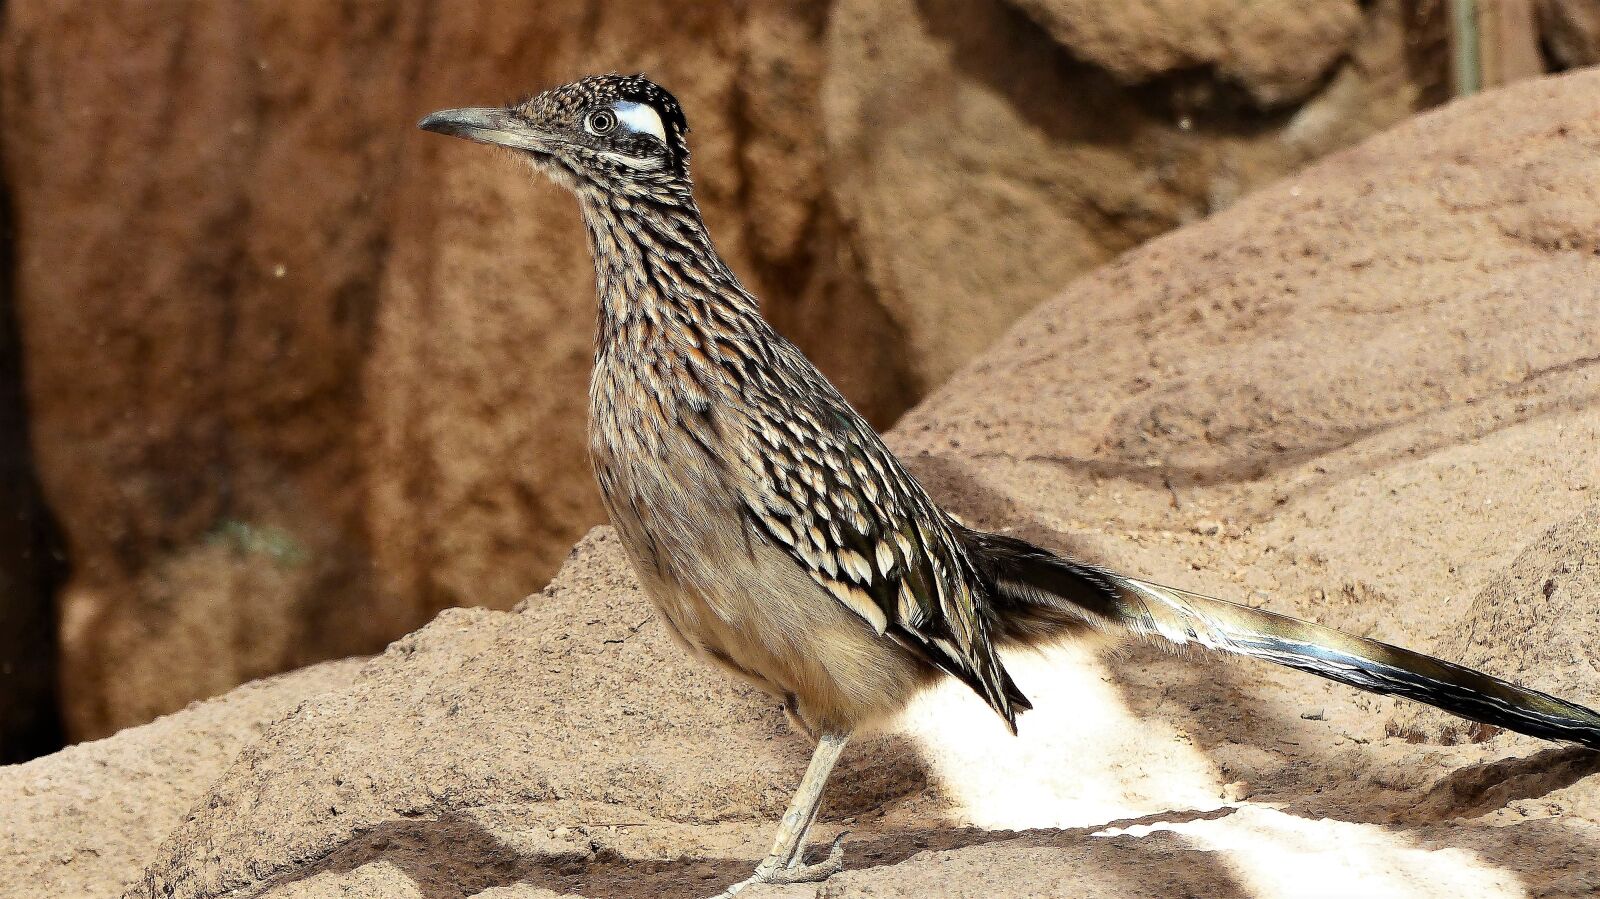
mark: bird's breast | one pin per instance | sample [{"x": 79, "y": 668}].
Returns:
[{"x": 656, "y": 460}]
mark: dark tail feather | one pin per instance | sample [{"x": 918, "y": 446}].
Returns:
[{"x": 1040, "y": 597}]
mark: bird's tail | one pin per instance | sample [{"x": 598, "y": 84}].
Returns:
[{"x": 1039, "y": 597}]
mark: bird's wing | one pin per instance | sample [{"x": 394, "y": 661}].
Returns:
[{"x": 819, "y": 482}]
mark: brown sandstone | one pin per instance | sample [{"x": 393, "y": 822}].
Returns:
[
  {"x": 300, "y": 377},
  {"x": 1367, "y": 395}
]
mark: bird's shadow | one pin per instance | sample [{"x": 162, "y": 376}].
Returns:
[{"x": 455, "y": 856}]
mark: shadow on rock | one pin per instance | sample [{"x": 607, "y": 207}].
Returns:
[{"x": 455, "y": 856}]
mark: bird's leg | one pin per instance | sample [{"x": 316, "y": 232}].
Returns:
[
  {"x": 799, "y": 849},
  {"x": 782, "y": 864}
]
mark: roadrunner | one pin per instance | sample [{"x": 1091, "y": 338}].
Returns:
[{"x": 779, "y": 537}]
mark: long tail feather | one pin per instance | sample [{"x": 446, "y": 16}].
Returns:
[{"x": 1040, "y": 596}]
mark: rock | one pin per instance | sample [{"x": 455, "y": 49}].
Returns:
[
  {"x": 261, "y": 311},
  {"x": 1533, "y": 622},
  {"x": 1571, "y": 31},
  {"x": 1277, "y": 53},
  {"x": 1407, "y": 414},
  {"x": 995, "y": 153},
  {"x": 84, "y": 821},
  {"x": 305, "y": 375},
  {"x": 164, "y": 161},
  {"x": 481, "y": 694}
]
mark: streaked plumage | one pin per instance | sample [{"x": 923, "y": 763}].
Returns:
[{"x": 778, "y": 535}]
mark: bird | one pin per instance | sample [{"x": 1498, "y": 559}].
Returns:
[{"x": 779, "y": 537}]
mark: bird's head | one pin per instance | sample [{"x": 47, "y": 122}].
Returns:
[{"x": 621, "y": 134}]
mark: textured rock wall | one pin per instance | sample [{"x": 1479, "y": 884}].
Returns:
[
  {"x": 203, "y": 194},
  {"x": 30, "y": 559},
  {"x": 998, "y": 149},
  {"x": 299, "y": 375},
  {"x": 1570, "y": 30}
]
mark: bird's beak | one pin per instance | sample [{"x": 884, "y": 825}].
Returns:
[{"x": 488, "y": 126}]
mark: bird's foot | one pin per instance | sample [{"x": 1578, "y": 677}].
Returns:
[{"x": 774, "y": 871}]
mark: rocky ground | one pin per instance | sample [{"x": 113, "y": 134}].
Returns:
[{"x": 1368, "y": 395}]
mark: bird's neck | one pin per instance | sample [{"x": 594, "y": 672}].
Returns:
[{"x": 656, "y": 268}]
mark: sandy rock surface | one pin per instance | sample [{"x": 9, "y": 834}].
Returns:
[
  {"x": 1368, "y": 395},
  {"x": 75, "y": 823}
]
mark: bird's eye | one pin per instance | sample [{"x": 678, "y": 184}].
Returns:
[{"x": 601, "y": 121}]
